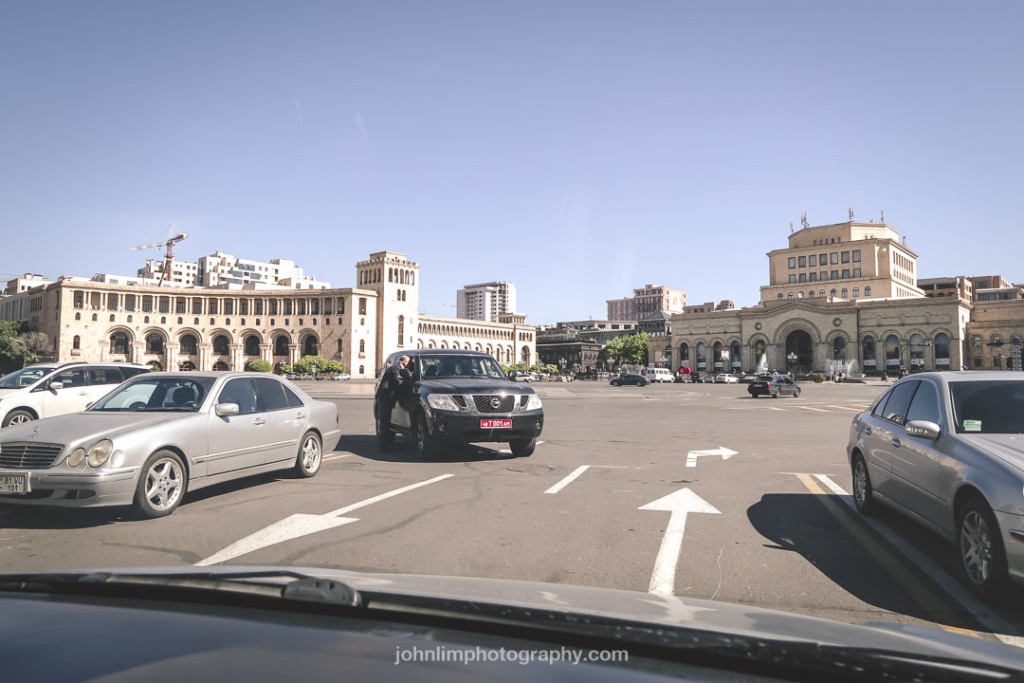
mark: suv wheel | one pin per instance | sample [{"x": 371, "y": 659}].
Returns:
[
  {"x": 523, "y": 448},
  {"x": 426, "y": 445}
]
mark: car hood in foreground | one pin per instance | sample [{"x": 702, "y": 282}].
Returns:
[
  {"x": 87, "y": 425},
  {"x": 578, "y": 610}
]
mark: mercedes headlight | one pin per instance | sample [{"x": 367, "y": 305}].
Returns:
[
  {"x": 100, "y": 453},
  {"x": 76, "y": 457}
]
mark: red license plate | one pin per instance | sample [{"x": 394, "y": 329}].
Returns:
[{"x": 495, "y": 424}]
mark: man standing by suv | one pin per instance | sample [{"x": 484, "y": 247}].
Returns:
[{"x": 394, "y": 386}]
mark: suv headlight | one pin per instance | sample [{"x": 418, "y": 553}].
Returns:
[
  {"x": 533, "y": 403},
  {"x": 442, "y": 402},
  {"x": 99, "y": 453}
]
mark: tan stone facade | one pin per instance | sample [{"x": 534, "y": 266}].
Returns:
[{"x": 217, "y": 329}]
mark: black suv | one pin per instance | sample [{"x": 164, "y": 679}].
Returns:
[{"x": 460, "y": 397}]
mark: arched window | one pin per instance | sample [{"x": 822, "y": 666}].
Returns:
[
  {"x": 401, "y": 331},
  {"x": 684, "y": 351},
  {"x": 702, "y": 356},
  {"x": 942, "y": 351},
  {"x": 252, "y": 345},
  {"x": 844, "y": 293},
  {"x": 76, "y": 343},
  {"x": 867, "y": 291},
  {"x": 154, "y": 343},
  {"x": 310, "y": 346},
  {"x": 281, "y": 346},
  {"x": 119, "y": 343},
  {"x": 839, "y": 348},
  {"x": 892, "y": 352},
  {"x": 188, "y": 345},
  {"x": 220, "y": 345},
  {"x": 362, "y": 346}
]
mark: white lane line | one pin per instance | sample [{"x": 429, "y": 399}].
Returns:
[
  {"x": 569, "y": 479},
  {"x": 336, "y": 457},
  {"x": 817, "y": 410},
  {"x": 853, "y": 408},
  {"x": 995, "y": 624},
  {"x": 298, "y": 525}
]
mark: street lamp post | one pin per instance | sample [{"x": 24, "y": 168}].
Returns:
[{"x": 792, "y": 358}]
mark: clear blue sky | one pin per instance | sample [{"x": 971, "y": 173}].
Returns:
[{"x": 578, "y": 149}]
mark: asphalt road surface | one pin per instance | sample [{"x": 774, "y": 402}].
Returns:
[{"x": 696, "y": 490}]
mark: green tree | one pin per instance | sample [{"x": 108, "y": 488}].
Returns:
[
  {"x": 259, "y": 365},
  {"x": 32, "y": 347},
  {"x": 9, "y": 357},
  {"x": 305, "y": 365},
  {"x": 628, "y": 350}
]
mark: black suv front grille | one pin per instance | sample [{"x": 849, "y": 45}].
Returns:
[
  {"x": 26, "y": 455},
  {"x": 484, "y": 403}
]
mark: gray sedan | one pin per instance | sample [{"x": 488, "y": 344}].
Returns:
[
  {"x": 160, "y": 434},
  {"x": 947, "y": 450}
]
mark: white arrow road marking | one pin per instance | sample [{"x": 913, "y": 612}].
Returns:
[
  {"x": 302, "y": 525},
  {"x": 679, "y": 503},
  {"x": 725, "y": 453}
]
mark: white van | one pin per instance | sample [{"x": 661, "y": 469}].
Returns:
[{"x": 658, "y": 375}]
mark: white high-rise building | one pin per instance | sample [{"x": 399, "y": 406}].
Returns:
[
  {"x": 486, "y": 301},
  {"x": 224, "y": 271}
]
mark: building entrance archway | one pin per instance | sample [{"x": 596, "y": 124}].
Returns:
[{"x": 799, "y": 352}]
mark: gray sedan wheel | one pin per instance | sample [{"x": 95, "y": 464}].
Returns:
[
  {"x": 161, "y": 485},
  {"x": 863, "y": 497},
  {"x": 311, "y": 454},
  {"x": 17, "y": 417},
  {"x": 981, "y": 548}
]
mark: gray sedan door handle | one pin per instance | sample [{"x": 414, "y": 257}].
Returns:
[{"x": 259, "y": 421}]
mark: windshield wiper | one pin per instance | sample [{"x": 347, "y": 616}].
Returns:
[{"x": 301, "y": 587}]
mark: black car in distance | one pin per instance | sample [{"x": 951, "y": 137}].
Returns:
[
  {"x": 459, "y": 397},
  {"x": 627, "y": 379}
]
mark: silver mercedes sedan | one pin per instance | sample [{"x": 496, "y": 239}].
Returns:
[
  {"x": 947, "y": 450},
  {"x": 159, "y": 435}
]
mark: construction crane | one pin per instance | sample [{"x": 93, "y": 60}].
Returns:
[{"x": 169, "y": 243}]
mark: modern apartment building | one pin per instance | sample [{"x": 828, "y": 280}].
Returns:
[
  {"x": 645, "y": 301},
  {"x": 485, "y": 301},
  {"x": 224, "y": 271}
]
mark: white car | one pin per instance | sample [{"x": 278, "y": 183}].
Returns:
[
  {"x": 48, "y": 389},
  {"x": 726, "y": 378}
]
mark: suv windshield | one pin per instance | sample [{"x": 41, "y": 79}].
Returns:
[
  {"x": 25, "y": 377},
  {"x": 436, "y": 367}
]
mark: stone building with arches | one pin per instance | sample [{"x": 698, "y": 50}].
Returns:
[
  {"x": 224, "y": 329},
  {"x": 845, "y": 297}
]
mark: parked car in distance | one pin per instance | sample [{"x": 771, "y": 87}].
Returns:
[
  {"x": 660, "y": 375},
  {"x": 946, "y": 449},
  {"x": 683, "y": 378},
  {"x": 726, "y": 378},
  {"x": 159, "y": 435},
  {"x": 459, "y": 397},
  {"x": 48, "y": 389},
  {"x": 774, "y": 386},
  {"x": 700, "y": 377},
  {"x": 523, "y": 377},
  {"x": 629, "y": 379}
]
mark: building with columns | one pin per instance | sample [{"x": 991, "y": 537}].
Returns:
[
  {"x": 223, "y": 329},
  {"x": 845, "y": 296}
]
